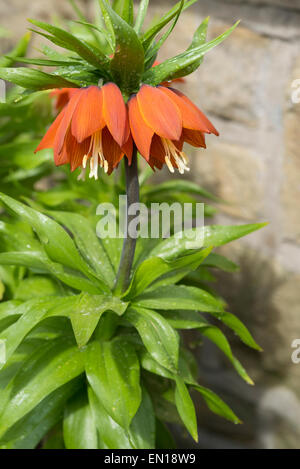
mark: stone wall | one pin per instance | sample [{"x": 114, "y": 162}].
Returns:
[{"x": 245, "y": 86}]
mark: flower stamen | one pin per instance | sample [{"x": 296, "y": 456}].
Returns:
[
  {"x": 95, "y": 157},
  {"x": 178, "y": 156}
]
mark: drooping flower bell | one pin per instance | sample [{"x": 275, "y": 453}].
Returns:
[
  {"x": 161, "y": 120},
  {"x": 92, "y": 130}
]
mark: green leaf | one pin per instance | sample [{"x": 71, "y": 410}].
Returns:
[
  {"x": 2, "y": 290},
  {"x": 220, "y": 262},
  {"x": 34, "y": 79},
  {"x": 49, "y": 63},
  {"x": 124, "y": 8},
  {"x": 142, "y": 429},
  {"x": 8, "y": 308},
  {"x": 164, "y": 438},
  {"x": 19, "y": 51},
  {"x": 57, "y": 243},
  {"x": 216, "y": 404},
  {"x": 113, "y": 372},
  {"x": 91, "y": 54},
  {"x": 153, "y": 50},
  {"x": 159, "y": 338},
  {"x": 31, "y": 313},
  {"x": 83, "y": 310},
  {"x": 184, "y": 63},
  {"x": 159, "y": 25},
  {"x": 127, "y": 65},
  {"x": 214, "y": 235},
  {"x": 88, "y": 311},
  {"x": 52, "y": 366},
  {"x": 143, "y": 7},
  {"x": 89, "y": 28},
  {"x": 40, "y": 285},
  {"x": 29, "y": 431},
  {"x": 239, "y": 328},
  {"x": 177, "y": 186},
  {"x": 88, "y": 244},
  {"x": 141, "y": 434},
  {"x": 112, "y": 435},
  {"x": 189, "y": 320},
  {"x": 153, "y": 268},
  {"x": 186, "y": 408},
  {"x": 39, "y": 262},
  {"x": 198, "y": 39},
  {"x": 179, "y": 297},
  {"x": 79, "y": 426}
]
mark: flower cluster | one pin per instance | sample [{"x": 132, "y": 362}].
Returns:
[{"x": 96, "y": 128}]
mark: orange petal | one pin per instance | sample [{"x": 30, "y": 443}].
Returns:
[
  {"x": 160, "y": 112},
  {"x": 75, "y": 150},
  {"x": 128, "y": 149},
  {"x": 115, "y": 113},
  {"x": 190, "y": 116},
  {"x": 49, "y": 137},
  {"x": 157, "y": 149},
  {"x": 66, "y": 121},
  {"x": 179, "y": 143},
  {"x": 111, "y": 150},
  {"x": 194, "y": 138},
  {"x": 62, "y": 158},
  {"x": 157, "y": 158},
  {"x": 205, "y": 121},
  {"x": 141, "y": 133},
  {"x": 88, "y": 117}
]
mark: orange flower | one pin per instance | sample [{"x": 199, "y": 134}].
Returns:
[
  {"x": 92, "y": 129},
  {"x": 62, "y": 96},
  {"x": 161, "y": 120}
]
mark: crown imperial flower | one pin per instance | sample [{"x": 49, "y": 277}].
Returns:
[
  {"x": 161, "y": 120},
  {"x": 92, "y": 129}
]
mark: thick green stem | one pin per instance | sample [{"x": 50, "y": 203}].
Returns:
[{"x": 133, "y": 196}]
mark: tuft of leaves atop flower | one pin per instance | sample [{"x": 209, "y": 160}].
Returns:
[{"x": 116, "y": 50}]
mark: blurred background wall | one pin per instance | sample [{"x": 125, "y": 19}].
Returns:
[{"x": 245, "y": 86}]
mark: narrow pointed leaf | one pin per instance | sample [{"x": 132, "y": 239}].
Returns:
[
  {"x": 57, "y": 363},
  {"x": 31, "y": 429},
  {"x": 124, "y": 8},
  {"x": 182, "y": 64},
  {"x": 112, "y": 435},
  {"x": 186, "y": 408},
  {"x": 57, "y": 243},
  {"x": 79, "y": 426},
  {"x": 159, "y": 338},
  {"x": 153, "y": 50},
  {"x": 34, "y": 79},
  {"x": 88, "y": 244},
  {"x": 216, "y": 404},
  {"x": 113, "y": 372},
  {"x": 89, "y": 53},
  {"x": 153, "y": 268},
  {"x": 220, "y": 262},
  {"x": 190, "y": 320},
  {"x": 143, "y": 7},
  {"x": 207, "y": 236},
  {"x": 177, "y": 185},
  {"x": 159, "y": 25},
  {"x": 179, "y": 297}
]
